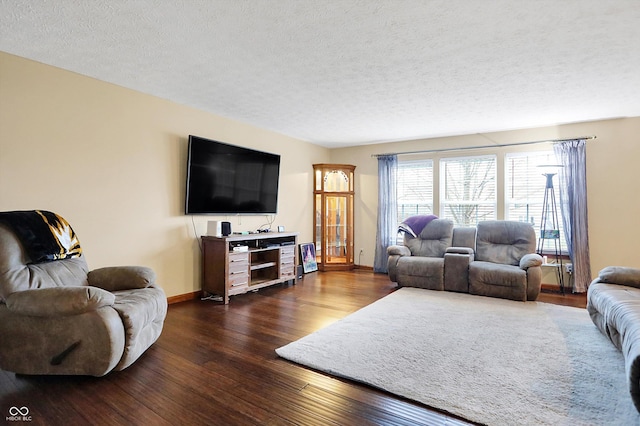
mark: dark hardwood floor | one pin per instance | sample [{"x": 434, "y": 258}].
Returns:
[{"x": 216, "y": 365}]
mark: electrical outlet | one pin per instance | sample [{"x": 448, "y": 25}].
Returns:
[
  {"x": 568, "y": 267},
  {"x": 361, "y": 251}
]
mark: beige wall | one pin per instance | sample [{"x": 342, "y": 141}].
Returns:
[
  {"x": 112, "y": 161},
  {"x": 613, "y": 177}
]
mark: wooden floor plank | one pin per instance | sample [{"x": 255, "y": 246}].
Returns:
[{"x": 216, "y": 365}]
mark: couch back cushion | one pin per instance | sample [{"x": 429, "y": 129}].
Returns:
[
  {"x": 503, "y": 241},
  {"x": 18, "y": 273},
  {"x": 434, "y": 239},
  {"x": 464, "y": 237}
]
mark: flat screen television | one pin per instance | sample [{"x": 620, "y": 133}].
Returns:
[{"x": 224, "y": 179}]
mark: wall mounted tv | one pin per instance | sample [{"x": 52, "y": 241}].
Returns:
[{"x": 224, "y": 179}]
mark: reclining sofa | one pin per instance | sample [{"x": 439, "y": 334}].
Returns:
[
  {"x": 497, "y": 258},
  {"x": 56, "y": 316},
  {"x": 613, "y": 302}
]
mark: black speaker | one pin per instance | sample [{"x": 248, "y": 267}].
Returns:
[
  {"x": 299, "y": 272},
  {"x": 225, "y": 228}
]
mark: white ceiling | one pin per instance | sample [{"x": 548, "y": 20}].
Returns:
[{"x": 348, "y": 72}]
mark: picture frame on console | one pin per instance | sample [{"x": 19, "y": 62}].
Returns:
[{"x": 308, "y": 257}]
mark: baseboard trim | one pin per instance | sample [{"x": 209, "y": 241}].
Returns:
[
  {"x": 363, "y": 267},
  {"x": 555, "y": 288},
  {"x": 184, "y": 297}
]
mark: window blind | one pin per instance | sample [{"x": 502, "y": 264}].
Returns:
[{"x": 468, "y": 189}]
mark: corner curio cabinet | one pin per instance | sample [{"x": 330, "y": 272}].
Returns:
[{"x": 333, "y": 216}]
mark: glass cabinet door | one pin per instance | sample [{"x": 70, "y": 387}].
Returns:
[
  {"x": 336, "y": 229},
  {"x": 333, "y": 221}
]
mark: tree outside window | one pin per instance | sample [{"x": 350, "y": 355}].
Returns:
[{"x": 468, "y": 189}]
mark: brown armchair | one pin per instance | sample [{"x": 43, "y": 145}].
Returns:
[{"x": 56, "y": 317}]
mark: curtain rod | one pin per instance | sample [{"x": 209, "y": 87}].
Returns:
[{"x": 485, "y": 146}]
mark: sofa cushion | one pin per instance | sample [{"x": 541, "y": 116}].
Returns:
[
  {"x": 422, "y": 272},
  {"x": 434, "y": 239},
  {"x": 497, "y": 280},
  {"x": 464, "y": 237},
  {"x": 17, "y": 274},
  {"x": 503, "y": 241}
]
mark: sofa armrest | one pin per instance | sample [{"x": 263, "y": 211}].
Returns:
[
  {"x": 460, "y": 250},
  {"x": 398, "y": 251},
  {"x": 116, "y": 278},
  {"x": 530, "y": 260},
  {"x": 55, "y": 301},
  {"x": 621, "y": 275}
]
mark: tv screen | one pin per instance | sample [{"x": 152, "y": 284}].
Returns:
[{"x": 227, "y": 179}]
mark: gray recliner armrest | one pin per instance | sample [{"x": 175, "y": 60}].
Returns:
[
  {"x": 116, "y": 278},
  {"x": 55, "y": 301},
  {"x": 530, "y": 260},
  {"x": 460, "y": 250},
  {"x": 621, "y": 275},
  {"x": 398, "y": 251}
]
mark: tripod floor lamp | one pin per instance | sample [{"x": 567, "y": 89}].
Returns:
[{"x": 550, "y": 227}]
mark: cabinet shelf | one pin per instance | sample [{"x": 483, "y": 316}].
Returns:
[
  {"x": 261, "y": 282},
  {"x": 264, "y": 265}
]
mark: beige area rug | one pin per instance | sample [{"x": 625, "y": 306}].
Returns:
[{"x": 487, "y": 360}]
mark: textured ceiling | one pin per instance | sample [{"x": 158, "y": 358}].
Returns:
[{"x": 348, "y": 72}]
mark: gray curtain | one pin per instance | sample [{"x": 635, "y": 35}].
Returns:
[
  {"x": 387, "y": 210},
  {"x": 573, "y": 207}
]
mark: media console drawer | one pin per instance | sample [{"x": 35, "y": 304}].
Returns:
[
  {"x": 288, "y": 262},
  {"x": 268, "y": 259},
  {"x": 238, "y": 269}
]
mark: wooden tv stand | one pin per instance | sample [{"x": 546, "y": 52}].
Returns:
[{"x": 269, "y": 258}]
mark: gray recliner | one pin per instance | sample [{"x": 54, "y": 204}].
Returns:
[
  {"x": 436, "y": 259},
  {"x": 56, "y": 317},
  {"x": 497, "y": 258},
  {"x": 420, "y": 261},
  {"x": 505, "y": 263}
]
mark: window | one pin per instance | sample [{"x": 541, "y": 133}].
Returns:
[
  {"x": 468, "y": 189},
  {"x": 525, "y": 189},
  {"x": 415, "y": 188}
]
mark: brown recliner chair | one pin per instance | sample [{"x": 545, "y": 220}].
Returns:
[{"x": 56, "y": 317}]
